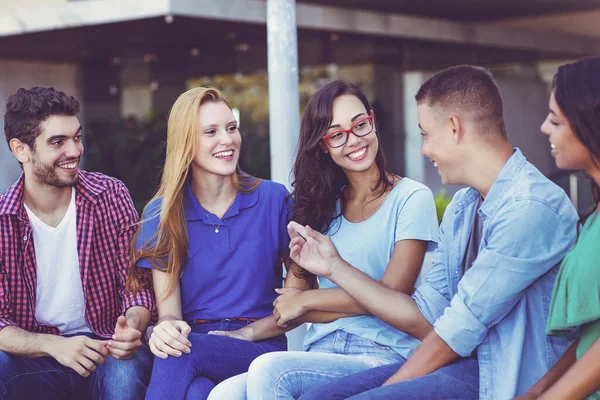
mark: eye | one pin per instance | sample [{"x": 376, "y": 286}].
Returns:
[
  {"x": 554, "y": 123},
  {"x": 77, "y": 138},
  {"x": 360, "y": 125},
  {"x": 56, "y": 143},
  {"x": 210, "y": 132},
  {"x": 336, "y": 135},
  {"x": 232, "y": 128}
]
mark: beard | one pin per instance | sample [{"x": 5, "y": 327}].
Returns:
[{"x": 47, "y": 174}]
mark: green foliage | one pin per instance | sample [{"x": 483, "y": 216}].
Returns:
[
  {"x": 131, "y": 150},
  {"x": 441, "y": 202}
]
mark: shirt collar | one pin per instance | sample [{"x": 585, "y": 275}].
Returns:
[
  {"x": 195, "y": 212},
  {"x": 502, "y": 183},
  {"x": 86, "y": 188}
]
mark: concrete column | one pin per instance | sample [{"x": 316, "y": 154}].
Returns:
[{"x": 284, "y": 108}]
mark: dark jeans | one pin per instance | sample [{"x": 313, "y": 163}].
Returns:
[
  {"x": 212, "y": 360},
  {"x": 45, "y": 378},
  {"x": 452, "y": 382}
]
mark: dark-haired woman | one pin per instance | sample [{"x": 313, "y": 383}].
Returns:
[
  {"x": 381, "y": 223},
  {"x": 573, "y": 128}
]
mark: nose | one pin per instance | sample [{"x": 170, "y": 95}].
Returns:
[
  {"x": 73, "y": 150},
  {"x": 353, "y": 140},
  {"x": 423, "y": 151},
  {"x": 225, "y": 138},
  {"x": 545, "y": 126}
]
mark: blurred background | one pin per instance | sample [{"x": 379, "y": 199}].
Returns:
[{"x": 128, "y": 60}]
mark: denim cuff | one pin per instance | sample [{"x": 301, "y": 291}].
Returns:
[
  {"x": 460, "y": 329},
  {"x": 430, "y": 302}
]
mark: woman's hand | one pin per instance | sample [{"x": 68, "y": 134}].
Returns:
[
  {"x": 241, "y": 334},
  {"x": 288, "y": 306},
  {"x": 170, "y": 338},
  {"x": 312, "y": 250}
]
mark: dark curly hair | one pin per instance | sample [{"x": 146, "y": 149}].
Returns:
[
  {"x": 27, "y": 109},
  {"x": 318, "y": 180}
]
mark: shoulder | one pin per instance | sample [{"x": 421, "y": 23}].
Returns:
[
  {"x": 102, "y": 185},
  {"x": 408, "y": 190},
  {"x": 271, "y": 188},
  {"x": 152, "y": 209}
]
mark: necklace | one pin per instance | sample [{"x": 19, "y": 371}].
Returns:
[{"x": 220, "y": 219}]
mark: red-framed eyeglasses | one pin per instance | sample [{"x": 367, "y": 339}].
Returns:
[{"x": 361, "y": 128}]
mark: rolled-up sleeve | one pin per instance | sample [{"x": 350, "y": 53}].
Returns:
[
  {"x": 5, "y": 304},
  {"x": 522, "y": 245}
]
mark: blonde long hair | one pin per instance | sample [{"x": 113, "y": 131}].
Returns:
[{"x": 171, "y": 241}]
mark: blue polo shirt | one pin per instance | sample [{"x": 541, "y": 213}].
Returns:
[{"x": 232, "y": 273}]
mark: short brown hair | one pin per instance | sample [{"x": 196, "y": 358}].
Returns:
[
  {"x": 466, "y": 88},
  {"x": 27, "y": 109}
]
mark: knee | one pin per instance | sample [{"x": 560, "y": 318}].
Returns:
[
  {"x": 232, "y": 389},
  {"x": 125, "y": 379}
]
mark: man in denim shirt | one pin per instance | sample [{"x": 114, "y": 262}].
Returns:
[{"x": 482, "y": 310}]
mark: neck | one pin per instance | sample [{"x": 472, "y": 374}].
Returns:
[
  {"x": 212, "y": 190},
  {"x": 594, "y": 173},
  {"x": 45, "y": 199},
  {"x": 484, "y": 166},
  {"x": 361, "y": 184}
]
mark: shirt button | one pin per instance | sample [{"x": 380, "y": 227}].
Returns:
[{"x": 24, "y": 238}]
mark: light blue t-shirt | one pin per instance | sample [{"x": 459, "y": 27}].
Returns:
[{"x": 407, "y": 213}]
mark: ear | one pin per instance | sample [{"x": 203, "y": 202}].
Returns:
[
  {"x": 20, "y": 150},
  {"x": 455, "y": 125}
]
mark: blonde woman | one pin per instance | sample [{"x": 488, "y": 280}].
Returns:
[{"x": 215, "y": 238}]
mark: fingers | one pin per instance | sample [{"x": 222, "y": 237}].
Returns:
[
  {"x": 292, "y": 229},
  {"x": 93, "y": 357},
  {"x": 98, "y": 346},
  {"x": 167, "y": 344},
  {"x": 220, "y": 333},
  {"x": 124, "y": 346},
  {"x": 184, "y": 328},
  {"x": 128, "y": 336},
  {"x": 175, "y": 338},
  {"x": 122, "y": 354},
  {"x": 122, "y": 321},
  {"x": 156, "y": 351}
]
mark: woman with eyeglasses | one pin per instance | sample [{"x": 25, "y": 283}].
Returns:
[
  {"x": 573, "y": 129},
  {"x": 380, "y": 223}
]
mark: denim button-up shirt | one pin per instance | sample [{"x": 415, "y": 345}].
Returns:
[{"x": 499, "y": 307}]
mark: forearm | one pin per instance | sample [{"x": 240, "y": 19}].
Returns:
[
  {"x": 580, "y": 379},
  {"x": 266, "y": 328},
  {"x": 431, "y": 355},
  {"x": 393, "y": 307},
  {"x": 556, "y": 372},
  {"x": 19, "y": 342},
  {"x": 334, "y": 300},
  {"x": 138, "y": 317},
  {"x": 320, "y": 317}
]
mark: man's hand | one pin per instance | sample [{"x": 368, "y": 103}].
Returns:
[
  {"x": 288, "y": 306},
  {"x": 79, "y": 353},
  {"x": 170, "y": 338},
  {"x": 312, "y": 250},
  {"x": 125, "y": 342}
]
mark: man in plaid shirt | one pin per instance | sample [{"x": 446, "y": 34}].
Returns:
[{"x": 68, "y": 327}]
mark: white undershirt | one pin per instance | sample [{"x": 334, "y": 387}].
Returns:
[{"x": 59, "y": 293}]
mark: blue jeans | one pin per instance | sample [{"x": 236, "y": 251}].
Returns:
[
  {"x": 288, "y": 375},
  {"x": 45, "y": 378},
  {"x": 457, "y": 381},
  {"x": 213, "y": 359}
]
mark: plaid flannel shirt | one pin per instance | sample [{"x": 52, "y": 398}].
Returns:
[{"x": 106, "y": 222}]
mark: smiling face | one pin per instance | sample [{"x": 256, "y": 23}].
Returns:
[
  {"x": 439, "y": 142},
  {"x": 55, "y": 158},
  {"x": 566, "y": 148},
  {"x": 358, "y": 154},
  {"x": 219, "y": 141}
]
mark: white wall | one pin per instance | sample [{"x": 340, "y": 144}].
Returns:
[{"x": 16, "y": 74}]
